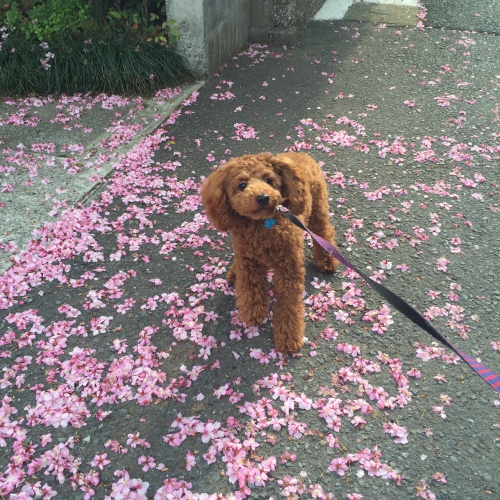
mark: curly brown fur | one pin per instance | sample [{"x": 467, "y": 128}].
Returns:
[{"x": 238, "y": 197}]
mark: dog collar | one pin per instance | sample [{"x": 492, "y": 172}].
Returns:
[{"x": 269, "y": 223}]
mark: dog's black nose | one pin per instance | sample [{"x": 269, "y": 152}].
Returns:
[{"x": 262, "y": 200}]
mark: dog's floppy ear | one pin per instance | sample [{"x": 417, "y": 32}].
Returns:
[
  {"x": 216, "y": 200},
  {"x": 293, "y": 187}
]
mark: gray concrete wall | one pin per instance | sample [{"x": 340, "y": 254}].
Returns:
[
  {"x": 261, "y": 21},
  {"x": 227, "y": 24},
  {"x": 189, "y": 16},
  {"x": 212, "y": 31},
  {"x": 284, "y": 19},
  {"x": 289, "y": 13}
]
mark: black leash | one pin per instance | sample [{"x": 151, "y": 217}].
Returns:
[{"x": 490, "y": 377}]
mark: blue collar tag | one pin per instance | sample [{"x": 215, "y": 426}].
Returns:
[{"x": 269, "y": 223}]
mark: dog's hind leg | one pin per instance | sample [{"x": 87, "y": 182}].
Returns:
[
  {"x": 319, "y": 223},
  {"x": 252, "y": 290},
  {"x": 231, "y": 275}
]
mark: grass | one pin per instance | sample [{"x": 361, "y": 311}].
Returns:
[{"x": 114, "y": 66}]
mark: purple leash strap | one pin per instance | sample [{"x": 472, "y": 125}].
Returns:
[{"x": 490, "y": 377}]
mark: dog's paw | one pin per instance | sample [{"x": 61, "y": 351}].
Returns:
[
  {"x": 289, "y": 337},
  {"x": 253, "y": 316},
  {"x": 288, "y": 345},
  {"x": 326, "y": 264}
]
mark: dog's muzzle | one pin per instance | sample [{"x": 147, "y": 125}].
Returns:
[{"x": 262, "y": 200}]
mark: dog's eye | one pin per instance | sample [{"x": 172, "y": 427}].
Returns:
[
  {"x": 268, "y": 181},
  {"x": 242, "y": 186}
]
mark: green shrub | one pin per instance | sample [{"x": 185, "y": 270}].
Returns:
[
  {"x": 68, "y": 46},
  {"x": 46, "y": 19},
  {"x": 114, "y": 66}
]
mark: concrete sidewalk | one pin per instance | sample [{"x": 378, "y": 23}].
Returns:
[
  {"x": 126, "y": 370},
  {"x": 56, "y": 152}
]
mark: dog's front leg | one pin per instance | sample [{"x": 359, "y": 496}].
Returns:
[
  {"x": 288, "y": 311},
  {"x": 252, "y": 291}
]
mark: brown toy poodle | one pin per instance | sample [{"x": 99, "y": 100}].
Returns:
[{"x": 241, "y": 197}]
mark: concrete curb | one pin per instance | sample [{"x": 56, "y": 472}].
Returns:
[{"x": 166, "y": 109}]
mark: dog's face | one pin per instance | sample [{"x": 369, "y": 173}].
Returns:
[
  {"x": 251, "y": 187},
  {"x": 254, "y": 190}
]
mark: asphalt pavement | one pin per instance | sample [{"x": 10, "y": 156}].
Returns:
[{"x": 126, "y": 371}]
